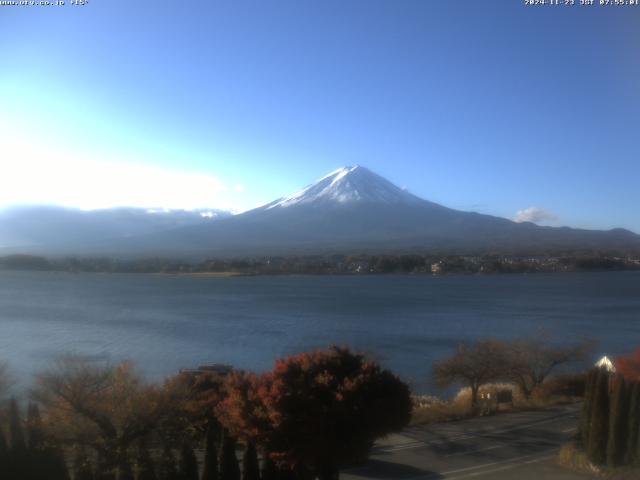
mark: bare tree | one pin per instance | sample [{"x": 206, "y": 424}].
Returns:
[
  {"x": 472, "y": 365},
  {"x": 105, "y": 407},
  {"x": 530, "y": 361}
]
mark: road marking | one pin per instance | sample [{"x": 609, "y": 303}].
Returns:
[
  {"x": 506, "y": 467},
  {"x": 419, "y": 444},
  {"x": 466, "y": 452},
  {"x": 433, "y": 476}
]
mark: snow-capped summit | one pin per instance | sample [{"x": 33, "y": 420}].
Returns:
[{"x": 347, "y": 185}]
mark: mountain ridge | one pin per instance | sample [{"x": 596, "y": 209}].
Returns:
[
  {"x": 355, "y": 210},
  {"x": 352, "y": 210},
  {"x": 30, "y": 228}
]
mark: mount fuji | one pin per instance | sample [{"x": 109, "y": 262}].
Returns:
[
  {"x": 350, "y": 210},
  {"x": 354, "y": 210},
  {"x": 347, "y": 185}
]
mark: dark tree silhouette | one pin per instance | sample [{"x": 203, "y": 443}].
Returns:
[
  {"x": 210, "y": 467},
  {"x": 269, "y": 470},
  {"x": 35, "y": 434},
  {"x": 585, "y": 418},
  {"x": 105, "y": 469},
  {"x": 144, "y": 464},
  {"x": 633, "y": 440},
  {"x": 44, "y": 460},
  {"x": 618, "y": 428},
  {"x": 167, "y": 469},
  {"x": 82, "y": 467},
  {"x": 125, "y": 470},
  {"x": 16, "y": 432},
  {"x": 229, "y": 468},
  {"x": 250, "y": 466},
  {"x": 188, "y": 462},
  {"x": 4, "y": 453},
  {"x": 599, "y": 430},
  {"x": 17, "y": 460}
]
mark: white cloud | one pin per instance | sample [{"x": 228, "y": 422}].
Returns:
[
  {"x": 38, "y": 174},
  {"x": 534, "y": 215}
]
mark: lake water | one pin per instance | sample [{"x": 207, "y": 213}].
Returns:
[{"x": 165, "y": 323}]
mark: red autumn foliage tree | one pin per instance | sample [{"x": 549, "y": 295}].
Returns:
[
  {"x": 243, "y": 411},
  {"x": 316, "y": 411},
  {"x": 629, "y": 366}
]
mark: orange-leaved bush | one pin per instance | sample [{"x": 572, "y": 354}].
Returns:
[
  {"x": 629, "y": 366},
  {"x": 316, "y": 411}
]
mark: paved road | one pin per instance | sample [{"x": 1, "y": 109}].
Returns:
[{"x": 519, "y": 446}]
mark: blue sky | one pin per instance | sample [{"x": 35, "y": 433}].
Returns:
[{"x": 491, "y": 106}]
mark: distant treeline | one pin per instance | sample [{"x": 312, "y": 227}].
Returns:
[{"x": 331, "y": 264}]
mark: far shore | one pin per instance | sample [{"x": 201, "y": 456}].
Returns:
[
  {"x": 364, "y": 264},
  {"x": 206, "y": 274}
]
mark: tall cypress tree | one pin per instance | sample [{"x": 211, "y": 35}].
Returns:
[
  {"x": 35, "y": 435},
  {"x": 16, "y": 433},
  {"x": 82, "y": 467},
  {"x": 36, "y": 452},
  {"x": 167, "y": 469},
  {"x": 4, "y": 453},
  {"x": 269, "y": 470},
  {"x": 188, "y": 462},
  {"x": 43, "y": 460},
  {"x": 229, "y": 468},
  {"x": 585, "y": 418},
  {"x": 631, "y": 454},
  {"x": 291, "y": 474},
  {"x": 104, "y": 468},
  {"x": 17, "y": 464},
  {"x": 57, "y": 464},
  {"x": 210, "y": 468},
  {"x": 618, "y": 428},
  {"x": 250, "y": 467},
  {"x": 125, "y": 471},
  {"x": 144, "y": 464},
  {"x": 637, "y": 445},
  {"x": 599, "y": 429}
]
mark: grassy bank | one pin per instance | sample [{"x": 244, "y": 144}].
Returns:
[
  {"x": 573, "y": 457},
  {"x": 428, "y": 409}
]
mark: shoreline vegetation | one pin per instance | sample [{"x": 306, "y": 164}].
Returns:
[
  {"x": 329, "y": 265},
  {"x": 90, "y": 420},
  {"x": 206, "y": 274}
]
